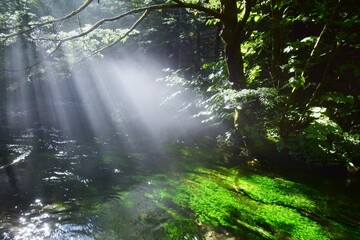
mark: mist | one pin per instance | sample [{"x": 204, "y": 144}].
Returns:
[{"x": 104, "y": 97}]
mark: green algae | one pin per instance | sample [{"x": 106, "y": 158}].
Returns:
[
  {"x": 216, "y": 204},
  {"x": 252, "y": 205}
]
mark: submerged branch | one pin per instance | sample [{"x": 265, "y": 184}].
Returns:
[{"x": 262, "y": 232}]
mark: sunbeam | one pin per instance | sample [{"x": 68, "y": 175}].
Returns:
[
  {"x": 126, "y": 95},
  {"x": 100, "y": 98}
]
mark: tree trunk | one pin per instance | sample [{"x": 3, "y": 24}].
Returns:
[
  {"x": 231, "y": 35},
  {"x": 235, "y": 64}
]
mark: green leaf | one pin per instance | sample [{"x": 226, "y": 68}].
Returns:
[
  {"x": 338, "y": 98},
  {"x": 309, "y": 40},
  {"x": 297, "y": 82}
]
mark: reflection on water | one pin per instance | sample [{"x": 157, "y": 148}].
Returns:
[
  {"x": 52, "y": 187},
  {"x": 51, "y": 175},
  {"x": 46, "y": 222},
  {"x": 17, "y": 149}
]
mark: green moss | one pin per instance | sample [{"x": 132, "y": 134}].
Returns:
[
  {"x": 201, "y": 153},
  {"x": 181, "y": 228},
  {"x": 213, "y": 196},
  {"x": 244, "y": 203},
  {"x": 216, "y": 204},
  {"x": 289, "y": 222},
  {"x": 276, "y": 191}
]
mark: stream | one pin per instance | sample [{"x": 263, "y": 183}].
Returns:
[
  {"x": 57, "y": 187},
  {"x": 51, "y": 182}
]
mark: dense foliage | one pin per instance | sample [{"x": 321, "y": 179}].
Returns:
[{"x": 286, "y": 73}]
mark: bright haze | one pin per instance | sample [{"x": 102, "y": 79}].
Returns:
[{"x": 104, "y": 97}]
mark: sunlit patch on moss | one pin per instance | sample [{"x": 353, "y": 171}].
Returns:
[
  {"x": 289, "y": 222},
  {"x": 218, "y": 205},
  {"x": 249, "y": 204},
  {"x": 276, "y": 191}
]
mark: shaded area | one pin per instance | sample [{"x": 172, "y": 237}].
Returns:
[{"x": 6, "y": 165}]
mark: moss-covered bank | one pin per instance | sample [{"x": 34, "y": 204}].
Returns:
[
  {"x": 210, "y": 201},
  {"x": 249, "y": 205}
]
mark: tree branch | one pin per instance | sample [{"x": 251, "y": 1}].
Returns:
[
  {"x": 119, "y": 39},
  {"x": 248, "y": 4},
  {"x": 60, "y": 43},
  {"x": 178, "y": 4},
  {"x": 142, "y": 9},
  {"x": 146, "y": 10},
  {"x": 201, "y": 9},
  {"x": 37, "y": 25}
]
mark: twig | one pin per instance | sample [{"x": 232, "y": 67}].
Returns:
[
  {"x": 132, "y": 28},
  {"x": 37, "y": 25},
  {"x": 319, "y": 38}
]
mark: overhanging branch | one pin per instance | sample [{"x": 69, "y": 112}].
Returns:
[
  {"x": 178, "y": 4},
  {"x": 37, "y": 25},
  {"x": 248, "y": 4},
  {"x": 127, "y": 33},
  {"x": 148, "y": 9},
  {"x": 145, "y": 10},
  {"x": 201, "y": 8}
]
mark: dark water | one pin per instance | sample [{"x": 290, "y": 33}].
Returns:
[
  {"x": 69, "y": 154},
  {"x": 56, "y": 185},
  {"x": 52, "y": 186}
]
